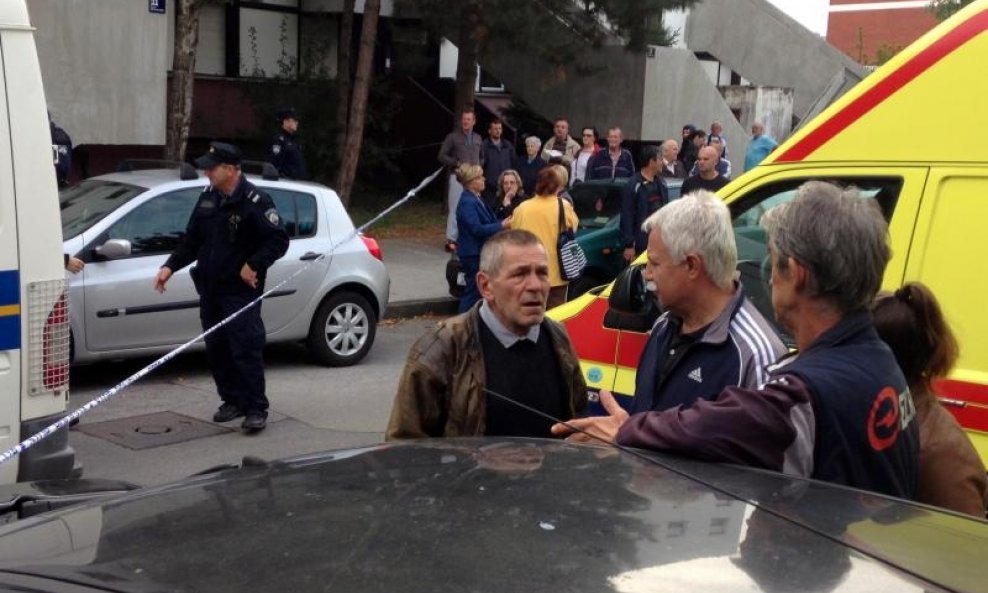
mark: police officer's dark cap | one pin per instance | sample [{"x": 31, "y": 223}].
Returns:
[
  {"x": 220, "y": 153},
  {"x": 288, "y": 112}
]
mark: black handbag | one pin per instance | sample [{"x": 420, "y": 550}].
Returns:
[{"x": 572, "y": 260}]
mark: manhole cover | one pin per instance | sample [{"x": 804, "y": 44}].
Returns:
[{"x": 151, "y": 430}]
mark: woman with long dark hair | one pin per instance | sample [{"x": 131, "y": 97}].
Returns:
[{"x": 951, "y": 474}]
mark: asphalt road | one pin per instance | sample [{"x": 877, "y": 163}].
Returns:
[{"x": 313, "y": 408}]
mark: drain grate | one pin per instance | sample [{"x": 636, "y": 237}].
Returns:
[{"x": 151, "y": 430}]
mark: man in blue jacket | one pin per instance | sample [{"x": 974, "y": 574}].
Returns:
[{"x": 644, "y": 193}]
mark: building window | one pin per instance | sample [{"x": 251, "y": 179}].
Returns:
[{"x": 268, "y": 43}]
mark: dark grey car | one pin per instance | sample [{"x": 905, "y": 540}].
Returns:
[{"x": 495, "y": 515}]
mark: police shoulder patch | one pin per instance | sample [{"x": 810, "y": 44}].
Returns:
[
  {"x": 276, "y": 149},
  {"x": 272, "y": 216}
]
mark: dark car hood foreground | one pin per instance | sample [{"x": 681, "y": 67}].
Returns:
[{"x": 496, "y": 515}]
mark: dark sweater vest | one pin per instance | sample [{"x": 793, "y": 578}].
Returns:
[
  {"x": 866, "y": 433},
  {"x": 527, "y": 373}
]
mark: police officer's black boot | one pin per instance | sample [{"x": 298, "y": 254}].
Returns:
[
  {"x": 255, "y": 422},
  {"x": 227, "y": 412}
]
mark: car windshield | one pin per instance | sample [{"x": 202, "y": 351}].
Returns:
[{"x": 86, "y": 204}]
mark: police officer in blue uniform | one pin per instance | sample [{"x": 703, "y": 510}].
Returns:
[
  {"x": 234, "y": 235},
  {"x": 286, "y": 151}
]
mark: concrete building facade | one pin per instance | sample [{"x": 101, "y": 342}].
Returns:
[{"x": 107, "y": 85}]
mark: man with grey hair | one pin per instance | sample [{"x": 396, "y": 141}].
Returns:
[
  {"x": 671, "y": 165},
  {"x": 838, "y": 410},
  {"x": 445, "y": 388},
  {"x": 710, "y": 335}
]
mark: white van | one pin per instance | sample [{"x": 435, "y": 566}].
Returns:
[{"x": 34, "y": 329}]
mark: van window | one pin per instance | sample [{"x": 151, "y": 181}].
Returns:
[
  {"x": 752, "y": 243},
  {"x": 158, "y": 225},
  {"x": 89, "y": 202},
  {"x": 297, "y": 211},
  {"x": 596, "y": 203}
]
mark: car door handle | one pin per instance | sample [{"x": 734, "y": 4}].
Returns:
[{"x": 310, "y": 255}]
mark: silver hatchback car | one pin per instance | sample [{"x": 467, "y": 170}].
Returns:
[{"x": 124, "y": 225}]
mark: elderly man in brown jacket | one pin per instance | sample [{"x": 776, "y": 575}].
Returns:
[{"x": 447, "y": 387}]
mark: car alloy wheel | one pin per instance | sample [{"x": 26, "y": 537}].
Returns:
[{"x": 342, "y": 330}]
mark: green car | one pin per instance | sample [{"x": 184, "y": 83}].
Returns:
[{"x": 598, "y": 205}]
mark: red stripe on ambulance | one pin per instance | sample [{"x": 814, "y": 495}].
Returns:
[{"x": 888, "y": 86}]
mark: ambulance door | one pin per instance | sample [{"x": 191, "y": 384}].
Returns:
[{"x": 949, "y": 253}]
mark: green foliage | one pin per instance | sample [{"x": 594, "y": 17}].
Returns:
[
  {"x": 944, "y": 9},
  {"x": 886, "y": 52}
]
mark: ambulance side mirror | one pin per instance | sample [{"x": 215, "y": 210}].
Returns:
[{"x": 631, "y": 306}]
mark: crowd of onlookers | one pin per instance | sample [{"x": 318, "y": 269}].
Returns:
[{"x": 497, "y": 183}]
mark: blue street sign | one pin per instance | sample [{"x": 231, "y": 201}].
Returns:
[{"x": 156, "y": 6}]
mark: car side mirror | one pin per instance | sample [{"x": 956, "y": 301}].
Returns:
[
  {"x": 628, "y": 295},
  {"x": 631, "y": 306},
  {"x": 114, "y": 249}
]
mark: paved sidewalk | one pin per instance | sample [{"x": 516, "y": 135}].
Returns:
[{"x": 418, "y": 277}]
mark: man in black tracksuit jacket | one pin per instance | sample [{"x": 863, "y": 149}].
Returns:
[{"x": 234, "y": 234}]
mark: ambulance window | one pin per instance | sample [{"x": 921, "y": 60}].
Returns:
[
  {"x": 595, "y": 204},
  {"x": 157, "y": 225},
  {"x": 752, "y": 241}
]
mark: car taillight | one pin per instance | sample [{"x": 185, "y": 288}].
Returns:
[
  {"x": 371, "y": 244},
  {"x": 55, "y": 345}
]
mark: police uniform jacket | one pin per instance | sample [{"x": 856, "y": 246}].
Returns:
[
  {"x": 224, "y": 233},
  {"x": 286, "y": 156}
]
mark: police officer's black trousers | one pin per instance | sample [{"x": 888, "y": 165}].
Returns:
[{"x": 236, "y": 350}]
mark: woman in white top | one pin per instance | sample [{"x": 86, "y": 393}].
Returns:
[{"x": 578, "y": 169}]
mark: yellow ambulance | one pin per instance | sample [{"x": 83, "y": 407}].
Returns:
[{"x": 908, "y": 136}]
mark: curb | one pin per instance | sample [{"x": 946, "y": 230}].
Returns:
[{"x": 417, "y": 307}]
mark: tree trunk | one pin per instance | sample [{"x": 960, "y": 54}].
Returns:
[
  {"x": 358, "y": 102},
  {"x": 343, "y": 75},
  {"x": 466, "y": 62},
  {"x": 183, "y": 78}
]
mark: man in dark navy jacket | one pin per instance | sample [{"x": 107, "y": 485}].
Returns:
[
  {"x": 839, "y": 410},
  {"x": 234, "y": 235},
  {"x": 641, "y": 196}
]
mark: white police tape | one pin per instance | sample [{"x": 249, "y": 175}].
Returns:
[{"x": 66, "y": 420}]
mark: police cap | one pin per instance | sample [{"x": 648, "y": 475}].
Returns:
[
  {"x": 287, "y": 113},
  {"x": 220, "y": 153}
]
